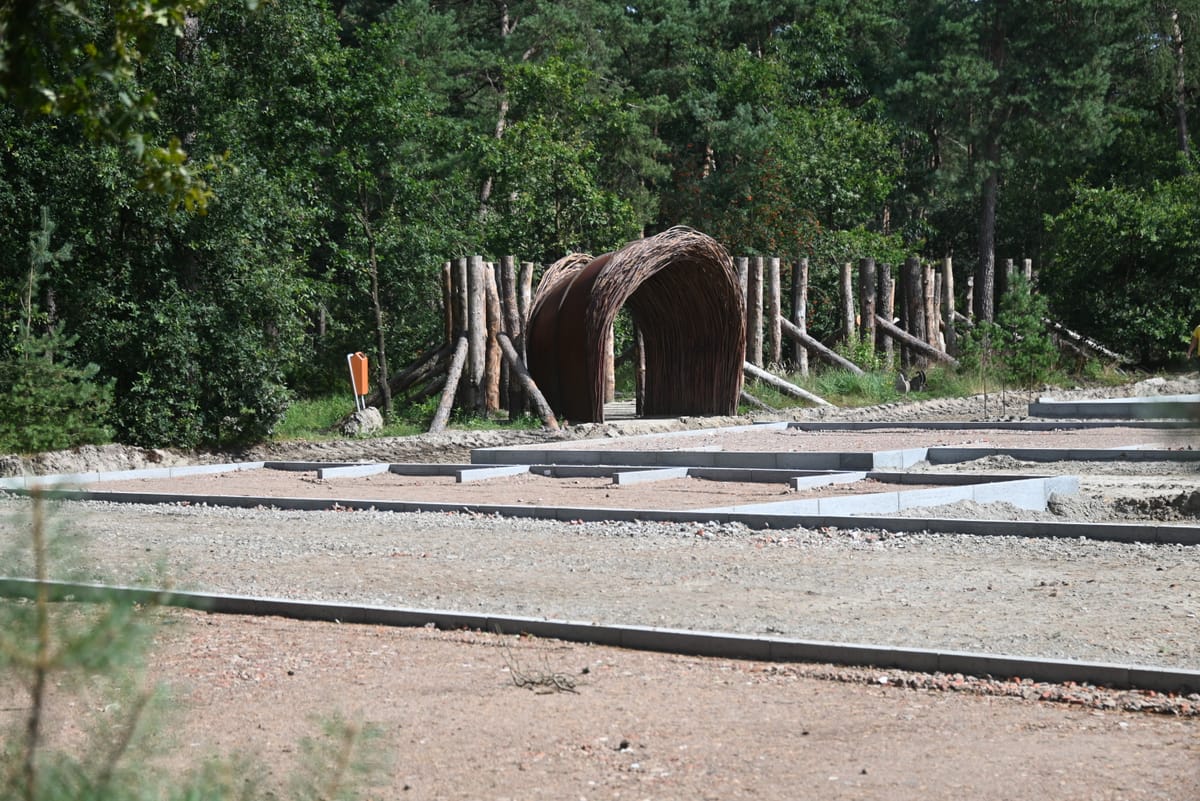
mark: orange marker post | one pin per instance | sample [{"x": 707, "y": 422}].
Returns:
[{"x": 358, "y": 378}]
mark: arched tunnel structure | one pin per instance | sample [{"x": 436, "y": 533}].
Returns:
[{"x": 681, "y": 290}]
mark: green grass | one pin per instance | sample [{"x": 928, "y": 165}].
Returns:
[{"x": 316, "y": 419}]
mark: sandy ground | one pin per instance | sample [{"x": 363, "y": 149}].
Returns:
[{"x": 599, "y": 723}]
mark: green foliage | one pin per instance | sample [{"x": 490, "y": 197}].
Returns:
[
  {"x": 81, "y": 61},
  {"x": 1027, "y": 351},
  {"x": 47, "y": 401},
  {"x": 844, "y": 388},
  {"x": 862, "y": 353},
  {"x": 335, "y": 144},
  {"x": 1124, "y": 266},
  {"x": 52, "y": 648}
]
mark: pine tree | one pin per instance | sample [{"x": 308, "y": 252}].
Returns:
[{"x": 46, "y": 401}]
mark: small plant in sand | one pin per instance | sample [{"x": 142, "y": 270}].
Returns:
[{"x": 50, "y": 647}]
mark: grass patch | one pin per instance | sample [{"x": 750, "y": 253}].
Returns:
[{"x": 315, "y": 419}]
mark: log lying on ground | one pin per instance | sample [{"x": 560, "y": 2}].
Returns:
[
  {"x": 527, "y": 383},
  {"x": 1085, "y": 343},
  {"x": 750, "y": 400},
  {"x": 452, "y": 377},
  {"x": 815, "y": 346},
  {"x": 784, "y": 386},
  {"x": 923, "y": 348}
]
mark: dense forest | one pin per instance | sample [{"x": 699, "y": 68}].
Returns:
[{"x": 198, "y": 198}]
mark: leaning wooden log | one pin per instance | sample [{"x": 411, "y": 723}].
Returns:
[
  {"x": 453, "y": 374},
  {"x": 421, "y": 367},
  {"x": 430, "y": 362},
  {"x": 750, "y": 400},
  {"x": 432, "y": 387},
  {"x": 923, "y": 348},
  {"x": 786, "y": 387},
  {"x": 816, "y": 347},
  {"x": 1086, "y": 343},
  {"x": 522, "y": 375}
]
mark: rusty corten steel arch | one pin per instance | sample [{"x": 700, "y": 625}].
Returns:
[{"x": 683, "y": 294}]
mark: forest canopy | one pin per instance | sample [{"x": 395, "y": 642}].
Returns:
[{"x": 230, "y": 184}]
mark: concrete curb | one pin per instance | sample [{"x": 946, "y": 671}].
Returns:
[
  {"x": 1152, "y": 533},
  {"x": 1171, "y": 407},
  {"x": 999, "y": 425},
  {"x": 81, "y": 479},
  {"x": 952, "y": 455},
  {"x": 697, "y": 643}
]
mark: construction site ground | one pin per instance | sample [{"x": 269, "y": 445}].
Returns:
[{"x": 468, "y": 714}]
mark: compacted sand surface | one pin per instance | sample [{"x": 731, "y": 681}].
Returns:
[{"x": 473, "y": 715}]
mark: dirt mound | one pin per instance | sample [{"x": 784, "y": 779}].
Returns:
[
  {"x": 94, "y": 459},
  {"x": 1183, "y": 506}
]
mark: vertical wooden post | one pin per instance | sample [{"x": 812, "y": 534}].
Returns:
[
  {"x": 774, "y": 310},
  {"x": 476, "y": 334},
  {"x": 639, "y": 373},
  {"x": 742, "y": 264},
  {"x": 461, "y": 294},
  {"x": 493, "y": 359},
  {"x": 929, "y": 301},
  {"x": 866, "y": 302},
  {"x": 610, "y": 366},
  {"x": 970, "y": 298},
  {"x": 937, "y": 309},
  {"x": 515, "y": 327},
  {"x": 1027, "y": 269},
  {"x": 1009, "y": 271},
  {"x": 948, "y": 305},
  {"x": 525, "y": 298},
  {"x": 915, "y": 303},
  {"x": 847, "y": 302},
  {"x": 800, "y": 310},
  {"x": 754, "y": 310},
  {"x": 447, "y": 301},
  {"x": 887, "y": 310}
]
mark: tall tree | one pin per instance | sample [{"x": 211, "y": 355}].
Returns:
[{"x": 987, "y": 78}]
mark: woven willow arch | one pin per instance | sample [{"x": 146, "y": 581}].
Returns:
[{"x": 683, "y": 294}]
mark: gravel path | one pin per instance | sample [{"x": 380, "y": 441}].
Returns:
[
  {"x": 1070, "y": 599},
  {"x": 643, "y": 725}
]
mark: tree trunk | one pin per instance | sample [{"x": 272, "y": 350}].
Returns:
[
  {"x": 492, "y": 364},
  {"x": 887, "y": 309},
  {"x": 816, "y": 347},
  {"x": 800, "y": 310},
  {"x": 754, "y": 310},
  {"x": 453, "y": 376},
  {"x": 526, "y": 380},
  {"x": 774, "y": 310},
  {"x": 866, "y": 303},
  {"x": 784, "y": 386},
  {"x": 847, "y": 302},
  {"x": 476, "y": 397},
  {"x": 985, "y": 276},
  {"x": 1181, "y": 104},
  {"x": 385, "y": 389},
  {"x": 948, "y": 305}
]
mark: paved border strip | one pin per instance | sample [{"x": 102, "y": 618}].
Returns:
[
  {"x": 477, "y": 473},
  {"x": 679, "y": 641},
  {"x": 79, "y": 479},
  {"x": 998, "y": 425},
  {"x": 1177, "y": 407},
  {"x": 353, "y": 471},
  {"x": 1151, "y": 533},
  {"x": 952, "y": 454}
]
